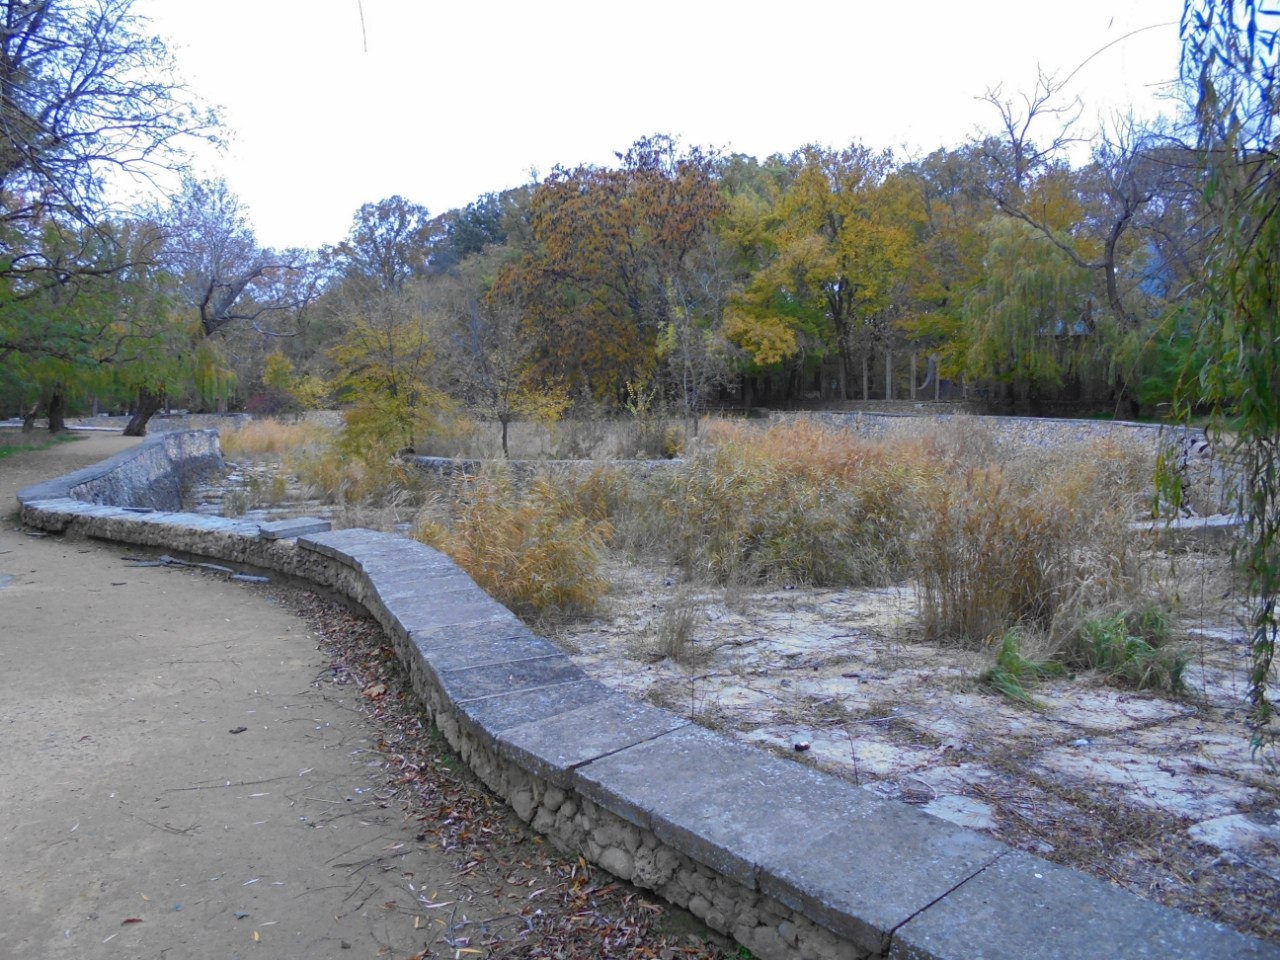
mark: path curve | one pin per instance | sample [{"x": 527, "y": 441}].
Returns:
[{"x": 127, "y": 793}]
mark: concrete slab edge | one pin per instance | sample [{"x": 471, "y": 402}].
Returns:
[{"x": 567, "y": 756}]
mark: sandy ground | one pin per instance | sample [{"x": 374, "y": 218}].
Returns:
[{"x": 173, "y": 783}]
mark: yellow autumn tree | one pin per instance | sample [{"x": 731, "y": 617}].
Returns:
[
  {"x": 838, "y": 247},
  {"x": 385, "y": 361}
]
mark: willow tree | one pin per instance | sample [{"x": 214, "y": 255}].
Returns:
[
  {"x": 1232, "y": 54},
  {"x": 954, "y": 194},
  {"x": 88, "y": 96},
  {"x": 220, "y": 276},
  {"x": 1030, "y": 321}
]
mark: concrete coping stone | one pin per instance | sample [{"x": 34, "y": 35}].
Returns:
[
  {"x": 487, "y": 717},
  {"x": 398, "y": 557},
  {"x": 456, "y": 608},
  {"x": 414, "y": 582},
  {"x": 79, "y": 508},
  {"x": 471, "y": 645},
  {"x": 192, "y": 522},
  {"x": 891, "y": 879},
  {"x": 342, "y": 545},
  {"x": 553, "y": 747},
  {"x": 388, "y": 559},
  {"x": 1023, "y": 906},
  {"x": 858, "y": 864},
  {"x": 196, "y": 521},
  {"x": 296, "y": 527},
  {"x": 506, "y": 677}
]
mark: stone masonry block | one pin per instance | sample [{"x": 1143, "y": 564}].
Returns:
[
  {"x": 552, "y": 747},
  {"x": 1023, "y": 906}
]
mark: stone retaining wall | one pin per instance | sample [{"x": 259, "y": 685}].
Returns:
[
  {"x": 154, "y": 474},
  {"x": 788, "y": 861},
  {"x": 525, "y": 470},
  {"x": 1019, "y": 430}
]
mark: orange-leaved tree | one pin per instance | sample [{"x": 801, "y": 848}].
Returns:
[{"x": 621, "y": 259}]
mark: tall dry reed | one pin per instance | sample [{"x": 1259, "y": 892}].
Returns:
[
  {"x": 533, "y": 550},
  {"x": 1037, "y": 542},
  {"x": 793, "y": 502}
]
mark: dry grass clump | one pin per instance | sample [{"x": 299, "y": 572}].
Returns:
[
  {"x": 534, "y": 551},
  {"x": 1035, "y": 544},
  {"x": 271, "y": 437},
  {"x": 794, "y": 502},
  {"x": 672, "y": 634},
  {"x": 314, "y": 453}
]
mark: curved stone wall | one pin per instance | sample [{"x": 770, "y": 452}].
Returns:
[
  {"x": 152, "y": 475},
  {"x": 788, "y": 861}
]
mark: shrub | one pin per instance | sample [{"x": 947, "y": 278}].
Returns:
[{"x": 533, "y": 552}]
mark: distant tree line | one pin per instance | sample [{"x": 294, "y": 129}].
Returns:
[{"x": 677, "y": 276}]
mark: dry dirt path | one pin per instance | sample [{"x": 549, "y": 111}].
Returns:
[
  {"x": 167, "y": 760},
  {"x": 172, "y": 784}
]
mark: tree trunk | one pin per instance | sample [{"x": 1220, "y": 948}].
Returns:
[
  {"x": 866, "y": 380},
  {"x": 29, "y": 418},
  {"x": 913, "y": 375},
  {"x": 888, "y": 374},
  {"x": 57, "y": 412},
  {"x": 1129, "y": 402},
  {"x": 506, "y": 454},
  {"x": 149, "y": 404}
]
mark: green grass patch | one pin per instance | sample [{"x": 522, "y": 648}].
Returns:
[
  {"x": 1132, "y": 649},
  {"x": 1013, "y": 670}
]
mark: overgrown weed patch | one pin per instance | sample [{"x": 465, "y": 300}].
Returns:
[
  {"x": 994, "y": 538},
  {"x": 532, "y": 550}
]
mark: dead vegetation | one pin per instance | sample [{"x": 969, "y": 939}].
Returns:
[{"x": 944, "y": 620}]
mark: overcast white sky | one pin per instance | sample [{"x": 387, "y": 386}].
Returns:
[{"x": 441, "y": 102}]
